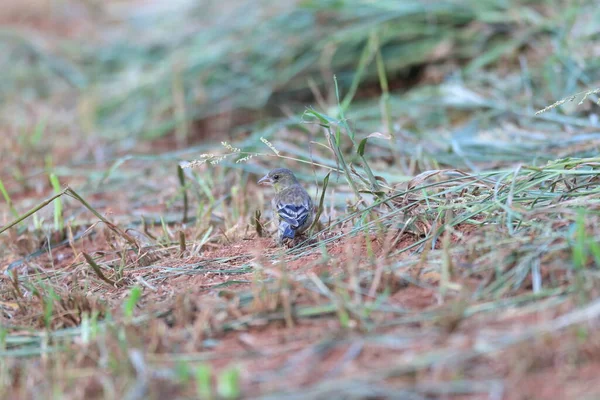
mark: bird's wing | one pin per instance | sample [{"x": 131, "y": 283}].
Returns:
[
  {"x": 293, "y": 207},
  {"x": 294, "y": 214}
]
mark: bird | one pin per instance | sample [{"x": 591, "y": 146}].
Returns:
[{"x": 292, "y": 206}]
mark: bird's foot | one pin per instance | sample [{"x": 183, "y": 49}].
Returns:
[{"x": 287, "y": 242}]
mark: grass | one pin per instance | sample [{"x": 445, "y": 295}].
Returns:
[{"x": 451, "y": 148}]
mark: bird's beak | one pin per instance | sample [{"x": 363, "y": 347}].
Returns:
[{"x": 265, "y": 180}]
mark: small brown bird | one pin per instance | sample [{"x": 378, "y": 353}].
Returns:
[{"x": 292, "y": 206}]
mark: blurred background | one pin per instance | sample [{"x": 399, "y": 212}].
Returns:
[
  {"x": 453, "y": 83},
  {"x": 115, "y": 73}
]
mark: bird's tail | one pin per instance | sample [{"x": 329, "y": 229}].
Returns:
[{"x": 287, "y": 231}]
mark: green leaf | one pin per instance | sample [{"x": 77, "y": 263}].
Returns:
[
  {"x": 228, "y": 385},
  {"x": 579, "y": 248},
  {"x": 38, "y": 132},
  {"x": 182, "y": 371},
  {"x": 378, "y": 135},
  {"x": 59, "y": 222},
  {"x": 361, "y": 147},
  {"x": 203, "y": 381},
  {"x": 113, "y": 168},
  {"x": 325, "y": 120},
  {"x": 365, "y": 59},
  {"x": 8, "y": 200},
  {"x": 129, "y": 305},
  {"x": 338, "y": 137},
  {"x": 595, "y": 250},
  {"x": 341, "y": 112}
]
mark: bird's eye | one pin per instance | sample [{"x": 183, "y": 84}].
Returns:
[{"x": 275, "y": 177}]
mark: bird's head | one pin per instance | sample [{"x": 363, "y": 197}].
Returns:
[{"x": 280, "y": 179}]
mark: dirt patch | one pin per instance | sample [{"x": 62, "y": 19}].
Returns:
[
  {"x": 41, "y": 16},
  {"x": 294, "y": 322},
  {"x": 575, "y": 382},
  {"x": 414, "y": 298}
]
